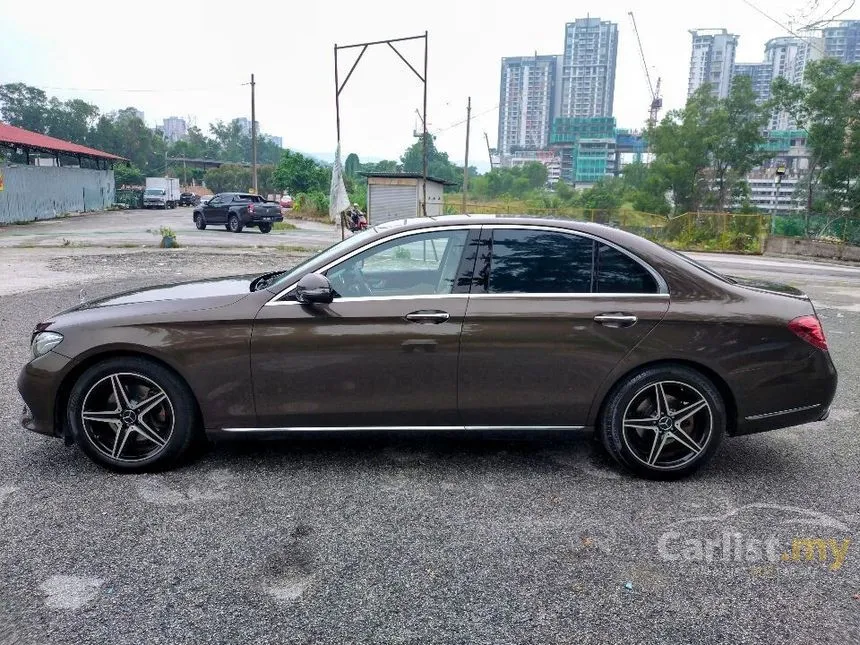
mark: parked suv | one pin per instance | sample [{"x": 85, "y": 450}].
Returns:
[
  {"x": 188, "y": 199},
  {"x": 235, "y": 211}
]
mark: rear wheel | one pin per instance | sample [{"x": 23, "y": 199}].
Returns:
[
  {"x": 265, "y": 228},
  {"x": 131, "y": 414},
  {"x": 200, "y": 221},
  {"x": 664, "y": 422},
  {"x": 233, "y": 224}
]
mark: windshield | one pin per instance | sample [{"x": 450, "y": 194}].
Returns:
[
  {"x": 323, "y": 258},
  {"x": 154, "y": 191}
]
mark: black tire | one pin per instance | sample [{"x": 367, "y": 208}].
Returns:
[
  {"x": 125, "y": 445},
  {"x": 265, "y": 227},
  {"x": 649, "y": 445},
  {"x": 234, "y": 224},
  {"x": 200, "y": 221}
]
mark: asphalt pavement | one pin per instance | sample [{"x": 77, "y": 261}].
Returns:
[{"x": 424, "y": 537}]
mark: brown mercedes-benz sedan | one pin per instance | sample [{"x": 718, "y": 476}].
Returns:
[{"x": 446, "y": 323}]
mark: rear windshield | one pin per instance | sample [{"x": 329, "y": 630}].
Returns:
[
  {"x": 702, "y": 267},
  {"x": 250, "y": 198}
]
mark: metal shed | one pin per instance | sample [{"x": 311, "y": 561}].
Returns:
[{"x": 397, "y": 195}]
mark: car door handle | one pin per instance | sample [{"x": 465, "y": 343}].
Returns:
[
  {"x": 616, "y": 320},
  {"x": 434, "y": 317}
]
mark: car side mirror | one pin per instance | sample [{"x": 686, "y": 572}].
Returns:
[{"x": 314, "y": 288}]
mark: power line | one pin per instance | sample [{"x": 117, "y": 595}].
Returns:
[
  {"x": 782, "y": 26},
  {"x": 132, "y": 89},
  {"x": 454, "y": 125}
]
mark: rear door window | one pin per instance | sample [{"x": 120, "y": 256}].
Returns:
[
  {"x": 617, "y": 272},
  {"x": 535, "y": 261}
]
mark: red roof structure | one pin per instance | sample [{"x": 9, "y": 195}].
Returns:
[{"x": 13, "y": 137}]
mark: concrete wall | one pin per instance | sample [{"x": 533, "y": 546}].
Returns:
[
  {"x": 812, "y": 248},
  {"x": 31, "y": 192}
]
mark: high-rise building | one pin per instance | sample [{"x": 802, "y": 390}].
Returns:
[
  {"x": 842, "y": 41},
  {"x": 278, "y": 141},
  {"x": 588, "y": 68},
  {"x": 712, "y": 61},
  {"x": 761, "y": 77},
  {"x": 785, "y": 57},
  {"x": 174, "y": 128},
  {"x": 527, "y": 102}
]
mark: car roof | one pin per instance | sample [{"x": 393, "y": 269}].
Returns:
[{"x": 650, "y": 251}]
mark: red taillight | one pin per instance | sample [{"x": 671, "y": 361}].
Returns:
[{"x": 809, "y": 329}]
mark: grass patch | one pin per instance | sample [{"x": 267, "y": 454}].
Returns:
[
  {"x": 284, "y": 226},
  {"x": 295, "y": 249}
]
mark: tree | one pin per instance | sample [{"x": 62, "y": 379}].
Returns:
[
  {"x": 704, "y": 148},
  {"x": 828, "y": 103},
  {"x": 734, "y": 133},
  {"x": 605, "y": 195},
  {"x": 71, "y": 120},
  {"x": 300, "y": 174},
  {"x": 229, "y": 178},
  {"x": 352, "y": 165},
  {"x": 24, "y": 106},
  {"x": 128, "y": 175},
  {"x": 438, "y": 164},
  {"x": 124, "y": 133}
]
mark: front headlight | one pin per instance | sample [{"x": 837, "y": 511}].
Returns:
[{"x": 44, "y": 342}]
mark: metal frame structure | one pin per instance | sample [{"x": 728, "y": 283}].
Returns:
[{"x": 338, "y": 87}]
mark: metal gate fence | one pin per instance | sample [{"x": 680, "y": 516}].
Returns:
[{"x": 40, "y": 192}]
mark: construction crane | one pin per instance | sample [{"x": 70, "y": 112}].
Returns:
[
  {"x": 656, "y": 99},
  {"x": 489, "y": 151}
]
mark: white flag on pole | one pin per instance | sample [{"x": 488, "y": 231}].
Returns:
[{"x": 337, "y": 197}]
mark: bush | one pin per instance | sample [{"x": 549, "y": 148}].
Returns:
[{"x": 313, "y": 202}]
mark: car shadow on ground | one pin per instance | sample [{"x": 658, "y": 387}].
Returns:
[{"x": 508, "y": 452}]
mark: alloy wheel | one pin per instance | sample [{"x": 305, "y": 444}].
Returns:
[
  {"x": 127, "y": 417},
  {"x": 667, "y": 425}
]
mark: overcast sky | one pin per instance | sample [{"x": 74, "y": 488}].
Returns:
[{"x": 198, "y": 55}]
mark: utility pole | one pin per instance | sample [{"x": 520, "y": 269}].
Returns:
[
  {"x": 466, "y": 164},
  {"x": 424, "y": 120},
  {"x": 253, "y": 137}
]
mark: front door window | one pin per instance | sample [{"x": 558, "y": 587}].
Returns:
[{"x": 420, "y": 265}]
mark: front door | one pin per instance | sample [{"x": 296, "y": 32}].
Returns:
[
  {"x": 551, "y": 314},
  {"x": 382, "y": 354},
  {"x": 215, "y": 211}
]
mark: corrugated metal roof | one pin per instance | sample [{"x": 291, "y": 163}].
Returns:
[
  {"x": 12, "y": 136},
  {"x": 406, "y": 175}
]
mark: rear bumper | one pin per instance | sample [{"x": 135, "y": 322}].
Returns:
[
  {"x": 808, "y": 400},
  {"x": 263, "y": 219}
]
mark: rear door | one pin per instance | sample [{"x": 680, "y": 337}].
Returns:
[{"x": 551, "y": 313}]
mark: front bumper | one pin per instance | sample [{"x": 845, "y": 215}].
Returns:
[{"x": 39, "y": 383}]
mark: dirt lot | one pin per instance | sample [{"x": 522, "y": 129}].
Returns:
[{"x": 416, "y": 537}]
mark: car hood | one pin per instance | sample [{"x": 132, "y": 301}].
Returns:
[
  {"x": 766, "y": 285},
  {"x": 217, "y": 292}
]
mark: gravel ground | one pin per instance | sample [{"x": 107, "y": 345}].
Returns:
[{"x": 418, "y": 538}]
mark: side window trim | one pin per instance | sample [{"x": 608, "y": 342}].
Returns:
[{"x": 486, "y": 238}]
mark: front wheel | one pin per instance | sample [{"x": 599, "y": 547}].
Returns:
[
  {"x": 664, "y": 422},
  {"x": 132, "y": 414},
  {"x": 200, "y": 221},
  {"x": 234, "y": 224},
  {"x": 265, "y": 228}
]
